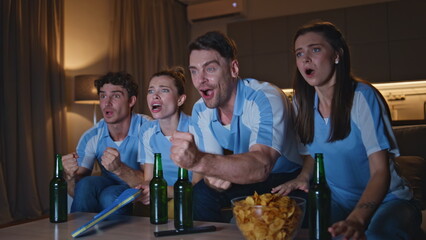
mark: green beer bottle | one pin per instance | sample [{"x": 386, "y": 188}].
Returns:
[
  {"x": 158, "y": 193},
  {"x": 319, "y": 203},
  {"x": 58, "y": 194},
  {"x": 183, "y": 201}
]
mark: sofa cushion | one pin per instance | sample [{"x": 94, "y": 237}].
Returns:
[
  {"x": 413, "y": 169},
  {"x": 411, "y": 140}
]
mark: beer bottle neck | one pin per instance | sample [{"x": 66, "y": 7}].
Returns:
[
  {"x": 319, "y": 173},
  {"x": 183, "y": 174},
  {"x": 158, "y": 167},
  {"x": 58, "y": 166}
]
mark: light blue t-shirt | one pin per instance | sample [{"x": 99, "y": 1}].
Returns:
[
  {"x": 152, "y": 140},
  {"x": 94, "y": 141},
  {"x": 346, "y": 161},
  {"x": 262, "y": 115}
]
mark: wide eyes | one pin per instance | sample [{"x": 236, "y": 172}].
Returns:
[
  {"x": 210, "y": 69},
  {"x": 163, "y": 90},
  {"x": 313, "y": 50},
  {"x": 193, "y": 71},
  {"x": 104, "y": 96},
  {"x": 207, "y": 69}
]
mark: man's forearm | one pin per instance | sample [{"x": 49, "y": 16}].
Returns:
[
  {"x": 71, "y": 183},
  {"x": 74, "y": 177},
  {"x": 70, "y": 187},
  {"x": 131, "y": 176},
  {"x": 250, "y": 167}
]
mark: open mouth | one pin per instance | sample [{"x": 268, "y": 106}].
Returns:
[
  {"x": 156, "y": 107},
  {"x": 309, "y": 71},
  {"x": 206, "y": 93},
  {"x": 108, "y": 113}
]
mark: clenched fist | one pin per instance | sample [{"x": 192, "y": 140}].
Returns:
[
  {"x": 111, "y": 159},
  {"x": 69, "y": 162},
  {"x": 184, "y": 152}
]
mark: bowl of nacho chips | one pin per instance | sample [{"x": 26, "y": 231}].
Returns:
[{"x": 269, "y": 216}]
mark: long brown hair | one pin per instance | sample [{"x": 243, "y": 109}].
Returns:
[{"x": 343, "y": 93}]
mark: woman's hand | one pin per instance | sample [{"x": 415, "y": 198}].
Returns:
[
  {"x": 300, "y": 183},
  {"x": 349, "y": 229}
]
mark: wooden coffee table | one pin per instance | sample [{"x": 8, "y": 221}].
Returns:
[{"x": 116, "y": 228}]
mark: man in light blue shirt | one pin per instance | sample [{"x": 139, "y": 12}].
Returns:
[
  {"x": 113, "y": 142},
  {"x": 241, "y": 134}
]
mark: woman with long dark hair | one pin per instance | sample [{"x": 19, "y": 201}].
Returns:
[{"x": 347, "y": 120}]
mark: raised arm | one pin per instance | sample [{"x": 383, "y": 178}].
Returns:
[
  {"x": 112, "y": 162},
  {"x": 253, "y": 166},
  {"x": 72, "y": 172}
]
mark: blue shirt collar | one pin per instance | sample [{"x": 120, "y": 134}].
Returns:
[
  {"x": 239, "y": 102},
  {"x": 133, "y": 129},
  {"x": 182, "y": 125}
]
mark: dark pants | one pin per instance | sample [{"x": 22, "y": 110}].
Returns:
[{"x": 208, "y": 202}]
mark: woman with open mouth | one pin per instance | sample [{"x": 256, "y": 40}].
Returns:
[
  {"x": 165, "y": 98},
  {"x": 347, "y": 120}
]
